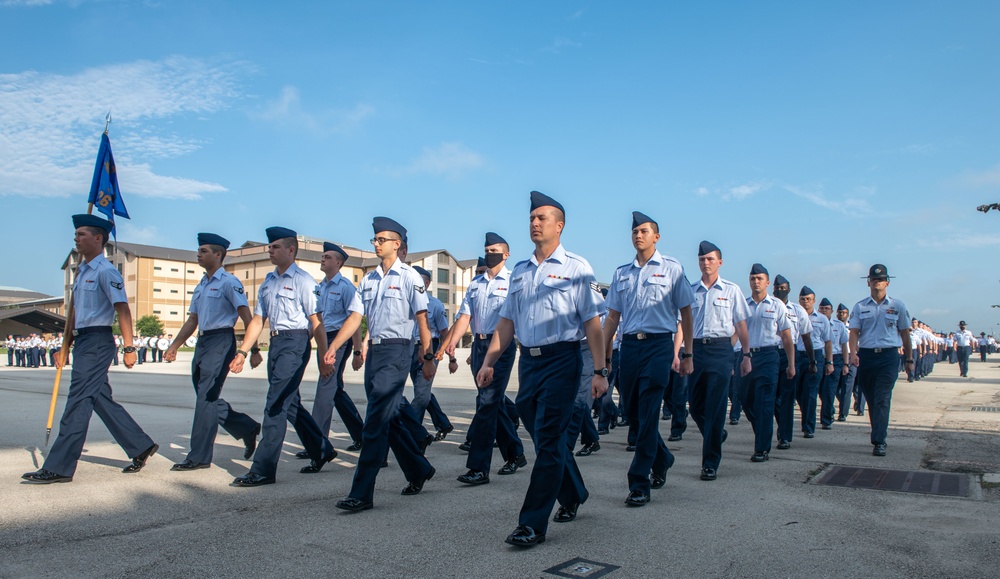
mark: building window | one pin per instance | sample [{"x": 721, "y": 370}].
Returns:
[
  {"x": 173, "y": 291},
  {"x": 174, "y": 269},
  {"x": 156, "y": 311},
  {"x": 453, "y": 282},
  {"x": 190, "y": 292},
  {"x": 157, "y": 268},
  {"x": 355, "y": 278},
  {"x": 156, "y": 290},
  {"x": 442, "y": 275},
  {"x": 173, "y": 313},
  {"x": 190, "y": 271},
  {"x": 443, "y": 295}
]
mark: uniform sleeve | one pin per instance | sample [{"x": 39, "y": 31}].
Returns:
[
  {"x": 440, "y": 318},
  {"x": 321, "y": 297},
  {"x": 681, "y": 294},
  {"x": 236, "y": 294},
  {"x": 740, "y": 310},
  {"x": 112, "y": 285},
  {"x": 509, "y": 309},
  {"x": 904, "y": 317},
  {"x": 352, "y": 299},
  {"x": 195, "y": 298},
  {"x": 587, "y": 304},
  {"x": 845, "y": 336},
  {"x": 466, "y": 308},
  {"x": 802, "y": 319},
  {"x": 855, "y": 321},
  {"x": 614, "y": 299},
  {"x": 309, "y": 294},
  {"x": 259, "y": 308},
  {"x": 782, "y": 313},
  {"x": 417, "y": 292}
]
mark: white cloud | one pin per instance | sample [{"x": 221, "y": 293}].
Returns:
[
  {"x": 13, "y": 3},
  {"x": 50, "y": 124},
  {"x": 287, "y": 110},
  {"x": 959, "y": 240},
  {"x": 559, "y": 44},
  {"x": 846, "y": 205},
  {"x": 987, "y": 178},
  {"x": 702, "y": 191},
  {"x": 451, "y": 160},
  {"x": 744, "y": 191},
  {"x": 143, "y": 235}
]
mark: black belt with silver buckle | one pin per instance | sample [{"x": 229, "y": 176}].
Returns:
[
  {"x": 216, "y": 331},
  {"x": 92, "y": 330},
  {"x": 764, "y": 349},
  {"x": 646, "y": 336},
  {"x": 486, "y": 337},
  {"x": 289, "y": 333},
  {"x": 549, "y": 349},
  {"x": 877, "y": 350},
  {"x": 388, "y": 341},
  {"x": 707, "y": 341}
]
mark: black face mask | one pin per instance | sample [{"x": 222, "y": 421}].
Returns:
[
  {"x": 493, "y": 259},
  {"x": 781, "y": 294}
]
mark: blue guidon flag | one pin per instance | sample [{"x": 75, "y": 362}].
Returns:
[{"x": 104, "y": 191}]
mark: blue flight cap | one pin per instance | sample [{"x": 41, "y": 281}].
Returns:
[
  {"x": 493, "y": 239},
  {"x": 806, "y": 291},
  {"x": 212, "y": 239},
  {"x": 842, "y": 307},
  {"x": 276, "y": 233},
  {"x": 707, "y": 247},
  {"x": 385, "y": 224},
  {"x": 780, "y": 279},
  {"x": 422, "y": 271},
  {"x": 327, "y": 246},
  {"x": 541, "y": 200},
  {"x": 638, "y": 218},
  {"x": 825, "y": 302},
  {"x": 85, "y": 220},
  {"x": 481, "y": 262},
  {"x": 758, "y": 269}
]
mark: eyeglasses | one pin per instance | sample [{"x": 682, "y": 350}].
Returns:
[{"x": 380, "y": 240}]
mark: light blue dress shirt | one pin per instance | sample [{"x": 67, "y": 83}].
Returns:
[
  {"x": 216, "y": 300},
  {"x": 649, "y": 297},
  {"x": 819, "y": 331},
  {"x": 838, "y": 336},
  {"x": 879, "y": 324},
  {"x": 548, "y": 302},
  {"x": 765, "y": 322},
  {"x": 337, "y": 299},
  {"x": 483, "y": 300},
  {"x": 392, "y": 299},
  {"x": 287, "y": 300},
  {"x": 437, "y": 321},
  {"x": 98, "y": 288},
  {"x": 716, "y": 310}
]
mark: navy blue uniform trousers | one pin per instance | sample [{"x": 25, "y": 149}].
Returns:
[
  {"x": 807, "y": 389},
  {"x": 89, "y": 393},
  {"x": 735, "y": 405},
  {"x": 287, "y": 358},
  {"x": 784, "y": 399},
  {"x": 385, "y": 375},
  {"x": 757, "y": 394},
  {"x": 491, "y": 419},
  {"x": 209, "y": 369},
  {"x": 545, "y": 402},
  {"x": 709, "y": 386},
  {"x": 877, "y": 376},
  {"x": 330, "y": 394},
  {"x": 644, "y": 376},
  {"x": 828, "y": 391}
]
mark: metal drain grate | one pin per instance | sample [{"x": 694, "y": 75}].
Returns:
[
  {"x": 986, "y": 408},
  {"x": 581, "y": 568},
  {"x": 905, "y": 481}
]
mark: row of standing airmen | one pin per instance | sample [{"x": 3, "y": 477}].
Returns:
[
  {"x": 554, "y": 306},
  {"x": 33, "y": 350}
]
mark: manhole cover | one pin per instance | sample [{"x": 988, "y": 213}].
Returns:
[
  {"x": 581, "y": 568},
  {"x": 986, "y": 408},
  {"x": 905, "y": 481}
]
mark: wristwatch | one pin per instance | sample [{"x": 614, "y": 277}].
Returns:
[
  {"x": 357, "y": 352},
  {"x": 602, "y": 372},
  {"x": 748, "y": 354},
  {"x": 429, "y": 357},
  {"x": 453, "y": 360},
  {"x": 255, "y": 350},
  {"x": 831, "y": 364},
  {"x": 129, "y": 349},
  {"x": 685, "y": 355},
  {"x": 242, "y": 353}
]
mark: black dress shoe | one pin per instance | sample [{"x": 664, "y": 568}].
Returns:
[
  {"x": 355, "y": 446},
  {"x": 759, "y": 457},
  {"x": 524, "y": 536},
  {"x": 465, "y": 446},
  {"x": 589, "y": 449},
  {"x": 878, "y": 449},
  {"x": 513, "y": 464},
  {"x": 474, "y": 477},
  {"x": 658, "y": 478},
  {"x": 666, "y": 416},
  {"x": 354, "y": 505},
  {"x": 841, "y": 419},
  {"x": 784, "y": 445},
  {"x": 637, "y": 499},
  {"x": 443, "y": 432},
  {"x": 188, "y": 465},
  {"x": 423, "y": 444},
  {"x": 808, "y": 435},
  {"x": 252, "y": 479},
  {"x": 725, "y": 435},
  {"x": 302, "y": 455},
  {"x": 45, "y": 477},
  {"x": 140, "y": 461},
  {"x": 565, "y": 514},
  {"x": 826, "y": 427},
  {"x": 250, "y": 443},
  {"x": 317, "y": 465},
  {"x": 595, "y": 413},
  {"x": 630, "y": 447},
  {"x": 385, "y": 463},
  {"x": 708, "y": 473},
  {"x": 622, "y": 421},
  {"x": 603, "y": 431},
  {"x": 415, "y": 487},
  {"x": 674, "y": 437},
  {"x": 733, "y": 422}
]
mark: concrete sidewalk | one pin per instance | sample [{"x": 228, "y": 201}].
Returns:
[{"x": 757, "y": 520}]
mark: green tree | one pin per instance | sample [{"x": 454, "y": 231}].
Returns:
[
  {"x": 115, "y": 328},
  {"x": 149, "y": 326}
]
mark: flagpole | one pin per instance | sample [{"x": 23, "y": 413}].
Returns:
[{"x": 64, "y": 350}]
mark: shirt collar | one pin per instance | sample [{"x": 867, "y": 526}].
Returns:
[
  {"x": 290, "y": 272},
  {"x": 504, "y": 273},
  {"x": 95, "y": 262},
  {"x": 396, "y": 267},
  {"x": 335, "y": 279},
  {"x": 717, "y": 284},
  {"x": 656, "y": 258}
]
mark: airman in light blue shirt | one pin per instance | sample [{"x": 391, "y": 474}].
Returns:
[
  {"x": 216, "y": 300},
  {"x": 287, "y": 300}
]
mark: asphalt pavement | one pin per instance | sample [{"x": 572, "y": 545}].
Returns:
[{"x": 771, "y": 519}]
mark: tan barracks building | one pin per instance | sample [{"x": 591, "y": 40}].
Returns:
[{"x": 160, "y": 281}]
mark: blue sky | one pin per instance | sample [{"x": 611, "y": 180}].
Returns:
[{"x": 815, "y": 138}]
